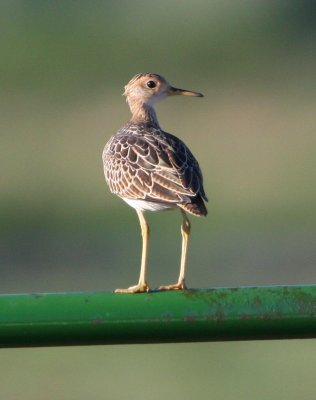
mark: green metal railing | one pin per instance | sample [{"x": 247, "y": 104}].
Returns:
[{"x": 158, "y": 317}]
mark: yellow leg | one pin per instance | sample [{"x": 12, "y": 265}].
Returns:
[
  {"x": 185, "y": 232},
  {"x": 142, "y": 283}
]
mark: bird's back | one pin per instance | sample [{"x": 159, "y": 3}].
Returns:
[{"x": 144, "y": 163}]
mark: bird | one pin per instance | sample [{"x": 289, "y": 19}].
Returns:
[{"x": 152, "y": 170}]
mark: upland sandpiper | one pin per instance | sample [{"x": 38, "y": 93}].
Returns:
[{"x": 152, "y": 170}]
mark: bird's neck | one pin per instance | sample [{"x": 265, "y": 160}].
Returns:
[{"x": 143, "y": 112}]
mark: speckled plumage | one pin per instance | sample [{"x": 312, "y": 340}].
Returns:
[{"x": 142, "y": 162}]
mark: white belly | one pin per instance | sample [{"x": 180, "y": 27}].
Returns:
[{"x": 143, "y": 205}]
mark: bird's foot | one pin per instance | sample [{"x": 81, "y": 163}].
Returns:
[
  {"x": 177, "y": 286},
  {"x": 139, "y": 288}
]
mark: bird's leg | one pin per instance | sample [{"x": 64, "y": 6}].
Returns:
[
  {"x": 185, "y": 232},
  {"x": 142, "y": 283}
]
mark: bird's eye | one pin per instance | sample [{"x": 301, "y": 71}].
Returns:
[{"x": 151, "y": 84}]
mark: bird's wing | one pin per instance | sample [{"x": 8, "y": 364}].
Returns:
[
  {"x": 185, "y": 167},
  {"x": 158, "y": 168}
]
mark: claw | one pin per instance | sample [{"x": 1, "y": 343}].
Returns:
[
  {"x": 134, "y": 289},
  {"x": 176, "y": 286}
]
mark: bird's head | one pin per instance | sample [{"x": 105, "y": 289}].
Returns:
[{"x": 148, "y": 88}]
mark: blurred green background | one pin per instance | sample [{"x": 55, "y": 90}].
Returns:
[{"x": 62, "y": 71}]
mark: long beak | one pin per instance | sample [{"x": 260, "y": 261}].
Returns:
[{"x": 182, "y": 92}]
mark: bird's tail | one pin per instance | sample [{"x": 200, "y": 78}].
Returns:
[{"x": 197, "y": 207}]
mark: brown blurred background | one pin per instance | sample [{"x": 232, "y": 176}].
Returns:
[{"x": 62, "y": 71}]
